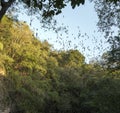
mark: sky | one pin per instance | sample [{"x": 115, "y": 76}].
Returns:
[{"x": 82, "y": 31}]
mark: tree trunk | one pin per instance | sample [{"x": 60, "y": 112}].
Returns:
[
  {"x": 2, "y": 13},
  {"x": 5, "y": 6}
]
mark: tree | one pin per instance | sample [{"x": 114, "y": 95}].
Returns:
[
  {"x": 47, "y": 7},
  {"x": 39, "y": 78},
  {"x": 114, "y": 53},
  {"x": 71, "y": 58},
  {"x": 109, "y": 23},
  {"x": 109, "y": 15},
  {"x": 111, "y": 59},
  {"x": 114, "y": 1}
]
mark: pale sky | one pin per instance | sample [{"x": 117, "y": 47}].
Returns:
[{"x": 82, "y": 31}]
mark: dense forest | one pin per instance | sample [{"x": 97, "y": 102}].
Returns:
[{"x": 34, "y": 78}]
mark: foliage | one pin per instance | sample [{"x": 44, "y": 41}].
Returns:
[
  {"x": 71, "y": 58},
  {"x": 48, "y": 8},
  {"x": 40, "y": 80},
  {"x": 114, "y": 53},
  {"x": 111, "y": 58},
  {"x": 109, "y": 23},
  {"x": 109, "y": 15}
]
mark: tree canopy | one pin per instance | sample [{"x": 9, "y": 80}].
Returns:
[
  {"x": 48, "y": 8},
  {"x": 108, "y": 12},
  {"x": 109, "y": 15},
  {"x": 37, "y": 77}
]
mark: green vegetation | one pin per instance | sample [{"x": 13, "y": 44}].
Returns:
[
  {"x": 40, "y": 80},
  {"x": 36, "y": 79},
  {"x": 109, "y": 17}
]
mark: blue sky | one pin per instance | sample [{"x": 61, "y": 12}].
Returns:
[{"x": 82, "y": 20}]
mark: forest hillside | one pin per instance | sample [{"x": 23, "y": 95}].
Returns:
[{"x": 36, "y": 79}]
